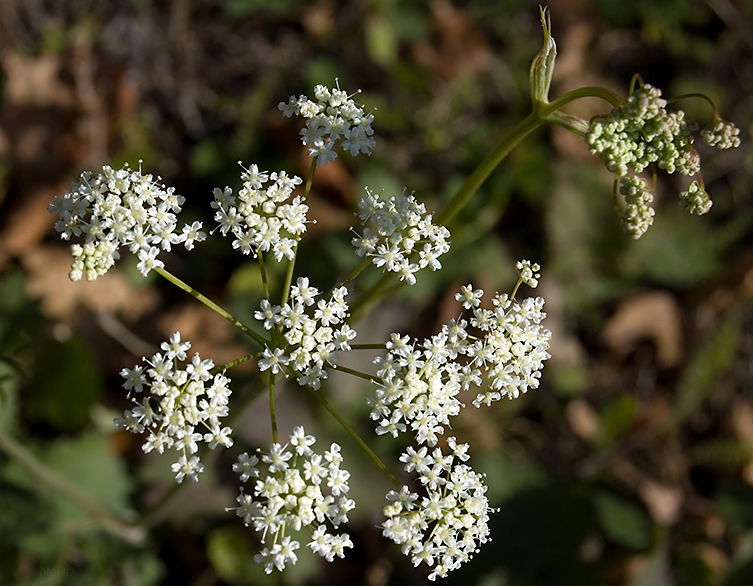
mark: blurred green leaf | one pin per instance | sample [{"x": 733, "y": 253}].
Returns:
[
  {"x": 22, "y": 514},
  {"x": 617, "y": 417},
  {"x": 67, "y": 383},
  {"x": 88, "y": 462},
  {"x": 692, "y": 570},
  {"x": 740, "y": 572},
  {"x": 713, "y": 357},
  {"x": 735, "y": 503},
  {"x": 622, "y": 521}
]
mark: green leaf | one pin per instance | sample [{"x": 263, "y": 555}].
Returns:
[
  {"x": 22, "y": 514},
  {"x": 735, "y": 503},
  {"x": 622, "y": 522},
  {"x": 88, "y": 463},
  {"x": 67, "y": 385},
  {"x": 714, "y": 357},
  {"x": 231, "y": 552},
  {"x": 616, "y": 418}
]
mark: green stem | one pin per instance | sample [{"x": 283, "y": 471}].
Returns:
[
  {"x": 708, "y": 100},
  {"x": 53, "y": 481},
  {"x": 236, "y": 362},
  {"x": 213, "y": 306},
  {"x": 355, "y": 436},
  {"x": 291, "y": 264},
  {"x": 515, "y": 289},
  {"x": 355, "y": 273},
  {"x": 367, "y": 347},
  {"x": 272, "y": 413},
  {"x": 492, "y": 160},
  {"x": 263, "y": 273},
  {"x": 544, "y": 113},
  {"x": 162, "y": 508},
  {"x": 357, "y": 373}
]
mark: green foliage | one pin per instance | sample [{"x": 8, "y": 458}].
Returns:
[
  {"x": 622, "y": 522},
  {"x": 66, "y": 385}
]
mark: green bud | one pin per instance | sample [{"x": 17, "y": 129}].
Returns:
[{"x": 543, "y": 64}]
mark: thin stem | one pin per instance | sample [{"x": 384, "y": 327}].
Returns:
[
  {"x": 213, "y": 306},
  {"x": 263, "y": 272},
  {"x": 272, "y": 414},
  {"x": 355, "y": 436},
  {"x": 159, "y": 511},
  {"x": 53, "y": 481},
  {"x": 366, "y": 347},
  {"x": 236, "y": 362},
  {"x": 291, "y": 264},
  {"x": 515, "y": 289},
  {"x": 309, "y": 180},
  {"x": 697, "y": 95},
  {"x": 355, "y": 273},
  {"x": 288, "y": 279},
  {"x": 357, "y": 373}
]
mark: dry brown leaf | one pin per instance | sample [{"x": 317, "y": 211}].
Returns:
[
  {"x": 459, "y": 49},
  {"x": 654, "y": 316},
  {"x": 47, "y": 268},
  {"x": 583, "y": 419},
  {"x": 664, "y": 502},
  {"x": 36, "y": 83},
  {"x": 211, "y": 335},
  {"x": 28, "y": 224},
  {"x": 742, "y": 419}
]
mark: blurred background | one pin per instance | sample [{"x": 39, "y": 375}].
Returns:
[{"x": 632, "y": 464}]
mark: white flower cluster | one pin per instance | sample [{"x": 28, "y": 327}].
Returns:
[
  {"x": 638, "y": 215},
  {"x": 258, "y": 217},
  {"x": 333, "y": 116},
  {"x": 444, "y": 528},
  {"x": 643, "y": 132},
  {"x": 183, "y": 406},
  {"x": 420, "y": 383},
  {"x": 722, "y": 135},
  {"x": 695, "y": 199},
  {"x": 529, "y": 272},
  {"x": 117, "y": 208},
  {"x": 402, "y": 227},
  {"x": 288, "y": 496},
  {"x": 312, "y": 340}
]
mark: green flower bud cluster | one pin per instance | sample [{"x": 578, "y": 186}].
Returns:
[
  {"x": 695, "y": 199},
  {"x": 723, "y": 135},
  {"x": 643, "y": 132},
  {"x": 637, "y": 215}
]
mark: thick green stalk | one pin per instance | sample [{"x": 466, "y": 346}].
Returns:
[{"x": 492, "y": 160}]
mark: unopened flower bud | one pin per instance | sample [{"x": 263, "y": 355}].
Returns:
[{"x": 542, "y": 66}]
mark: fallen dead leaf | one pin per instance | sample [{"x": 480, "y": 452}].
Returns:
[
  {"x": 664, "y": 502},
  {"x": 742, "y": 419},
  {"x": 47, "y": 268},
  {"x": 654, "y": 316},
  {"x": 211, "y": 335},
  {"x": 583, "y": 419},
  {"x": 459, "y": 47}
]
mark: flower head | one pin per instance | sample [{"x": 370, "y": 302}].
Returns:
[
  {"x": 295, "y": 489},
  {"x": 401, "y": 228},
  {"x": 182, "y": 406},
  {"x": 444, "y": 521},
  {"x": 259, "y": 217},
  {"x": 332, "y": 117},
  {"x": 120, "y": 208}
]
